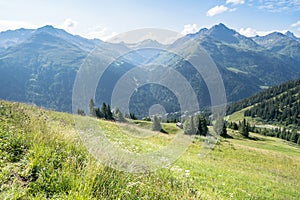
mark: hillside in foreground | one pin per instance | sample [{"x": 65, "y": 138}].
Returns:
[{"x": 42, "y": 157}]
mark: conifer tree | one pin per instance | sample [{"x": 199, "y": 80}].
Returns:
[
  {"x": 244, "y": 128},
  {"x": 293, "y": 137},
  {"x": 119, "y": 116},
  {"x": 92, "y": 108},
  {"x": 104, "y": 110},
  {"x": 109, "y": 113},
  {"x": 156, "y": 126},
  {"x": 189, "y": 126}
]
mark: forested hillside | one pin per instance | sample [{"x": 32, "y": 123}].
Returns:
[
  {"x": 283, "y": 108},
  {"x": 279, "y": 104}
]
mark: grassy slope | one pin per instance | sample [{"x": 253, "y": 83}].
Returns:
[{"x": 41, "y": 156}]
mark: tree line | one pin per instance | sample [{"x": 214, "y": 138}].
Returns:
[
  {"x": 196, "y": 125},
  {"x": 245, "y": 127}
]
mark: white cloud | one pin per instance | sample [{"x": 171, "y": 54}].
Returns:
[
  {"x": 216, "y": 10},
  {"x": 296, "y": 24},
  {"x": 68, "y": 25},
  {"x": 12, "y": 25},
  {"x": 235, "y": 2},
  {"x": 189, "y": 28},
  {"x": 99, "y": 32},
  {"x": 250, "y": 32}
]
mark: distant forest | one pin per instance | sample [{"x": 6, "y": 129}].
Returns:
[{"x": 279, "y": 104}]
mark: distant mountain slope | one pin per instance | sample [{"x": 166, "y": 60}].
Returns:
[
  {"x": 42, "y": 69},
  {"x": 12, "y": 38},
  {"x": 287, "y": 45},
  {"x": 245, "y": 65},
  {"x": 39, "y": 66}
]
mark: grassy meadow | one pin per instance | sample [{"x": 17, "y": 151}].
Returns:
[{"x": 43, "y": 157}]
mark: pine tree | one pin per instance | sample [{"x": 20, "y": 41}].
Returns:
[
  {"x": 99, "y": 113},
  {"x": 132, "y": 116},
  {"x": 92, "y": 108},
  {"x": 104, "y": 110},
  {"x": 244, "y": 128},
  {"x": 119, "y": 116},
  {"x": 218, "y": 125},
  {"x": 189, "y": 126},
  {"x": 293, "y": 137},
  {"x": 204, "y": 125},
  {"x": 235, "y": 126},
  {"x": 224, "y": 130},
  {"x": 156, "y": 126},
  {"x": 200, "y": 126},
  {"x": 109, "y": 113},
  {"x": 298, "y": 142}
]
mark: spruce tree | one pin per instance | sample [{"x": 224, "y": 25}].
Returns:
[
  {"x": 218, "y": 125},
  {"x": 104, "y": 110},
  {"x": 156, "y": 126},
  {"x": 224, "y": 130},
  {"x": 293, "y": 137},
  {"x": 99, "y": 113},
  {"x": 119, "y": 116},
  {"x": 200, "y": 127},
  {"x": 109, "y": 113},
  {"x": 132, "y": 116},
  {"x": 244, "y": 128},
  {"x": 204, "y": 125},
  {"x": 92, "y": 108},
  {"x": 189, "y": 126}
]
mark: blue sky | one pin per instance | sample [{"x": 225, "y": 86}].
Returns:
[{"x": 102, "y": 19}]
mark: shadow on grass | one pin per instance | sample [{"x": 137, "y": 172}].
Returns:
[
  {"x": 163, "y": 131},
  {"x": 227, "y": 136}
]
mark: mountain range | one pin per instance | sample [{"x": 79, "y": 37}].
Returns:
[{"x": 39, "y": 66}]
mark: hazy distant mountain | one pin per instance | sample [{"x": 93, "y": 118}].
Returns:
[
  {"x": 292, "y": 36},
  {"x": 12, "y": 38},
  {"x": 39, "y": 66},
  {"x": 284, "y": 44}
]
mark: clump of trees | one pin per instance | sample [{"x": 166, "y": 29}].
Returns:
[
  {"x": 103, "y": 112},
  {"x": 244, "y": 127},
  {"x": 289, "y": 135},
  {"x": 196, "y": 125},
  {"x": 80, "y": 112}
]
